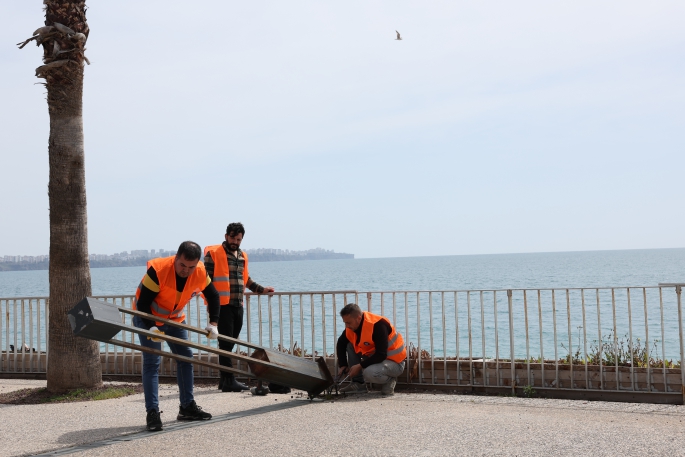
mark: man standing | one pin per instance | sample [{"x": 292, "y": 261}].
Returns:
[
  {"x": 369, "y": 350},
  {"x": 164, "y": 291},
  {"x": 227, "y": 266}
]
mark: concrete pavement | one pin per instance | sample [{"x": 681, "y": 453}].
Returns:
[{"x": 368, "y": 425}]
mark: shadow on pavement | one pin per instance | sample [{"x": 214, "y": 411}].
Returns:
[
  {"x": 135, "y": 433},
  {"x": 88, "y": 436}
]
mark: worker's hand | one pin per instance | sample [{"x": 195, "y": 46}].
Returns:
[
  {"x": 212, "y": 332},
  {"x": 342, "y": 371},
  {"x": 155, "y": 329},
  {"x": 355, "y": 370},
  {"x": 269, "y": 290}
]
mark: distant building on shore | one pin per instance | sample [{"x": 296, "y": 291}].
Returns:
[
  {"x": 140, "y": 257},
  {"x": 275, "y": 255},
  {"x": 24, "y": 258}
]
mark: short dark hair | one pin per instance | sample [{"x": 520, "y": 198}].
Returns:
[
  {"x": 351, "y": 309},
  {"x": 190, "y": 250},
  {"x": 234, "y": 228}
]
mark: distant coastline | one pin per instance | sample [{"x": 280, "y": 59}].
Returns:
[
  {"x": 142, "y": 261},
  {"x": 45, "y": 265},
  {"x": 270, "y": 257}
]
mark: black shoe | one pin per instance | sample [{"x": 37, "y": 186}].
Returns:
[
  {"x": 278, "y": 388},
  {"x": 239, "y": 385},
  {"x": 222, "y": 380},
  {"x": 192, "y": 412},
  {"x": 154, "y": 422},
  {"x": 231, "y": 385},
  {"x": 260, "y": 390}
]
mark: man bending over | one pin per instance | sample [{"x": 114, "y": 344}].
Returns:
[{"x": 370, "y": 350}]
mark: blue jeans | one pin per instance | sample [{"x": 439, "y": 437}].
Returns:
[{"x": 151, "y": 362}]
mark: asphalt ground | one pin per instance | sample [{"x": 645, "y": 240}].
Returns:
[{"x": 366, "y": 425}]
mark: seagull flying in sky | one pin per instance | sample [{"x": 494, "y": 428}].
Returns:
[{"x": 398, "y": 35}]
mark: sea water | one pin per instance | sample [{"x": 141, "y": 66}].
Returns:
[{"x": 420, "y": 317}]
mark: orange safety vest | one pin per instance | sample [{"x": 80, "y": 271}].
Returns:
[
  {"x": 164, "y": 304},
  {"x": 396, "y": 350},
  {"x": 221, "y": 274}
]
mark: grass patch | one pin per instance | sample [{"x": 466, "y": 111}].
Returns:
[
  {"x": 94, "y": 395},
  {"x": 529, "y": 392},
  {"x": 41, "y": 395}
]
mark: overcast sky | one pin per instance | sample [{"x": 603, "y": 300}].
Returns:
[{"x": 492, "y": 127}]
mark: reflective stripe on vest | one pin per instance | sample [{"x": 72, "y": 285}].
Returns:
[
  {"x": 221, "y": 278},
  {"x": 218, "y": 280},
  {"x": 159, "y": 311},
  {"x": 391, "y": 342}
]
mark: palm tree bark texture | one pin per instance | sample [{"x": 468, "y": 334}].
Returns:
[{"x": 73, "y": 362}]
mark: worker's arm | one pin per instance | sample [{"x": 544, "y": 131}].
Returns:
[
  {"x": 148, "y": 291},
  {"x": 342, "y": 350},
  {"x": 258, "y": 289},
  {"x": 253, "y": 286},
  {"x": 209, "y": 266},
  {"x": 381, "y": 330},
  {"x": 213, "y": 303}
]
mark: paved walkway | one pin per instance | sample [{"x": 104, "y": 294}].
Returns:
[{"x": 369, "y": 425}]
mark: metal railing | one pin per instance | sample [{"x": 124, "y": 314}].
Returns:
[
  {"x": 608, "y": 339},
  {"x": 562, "y": 330},
  {"x": 23, "y": 330}
]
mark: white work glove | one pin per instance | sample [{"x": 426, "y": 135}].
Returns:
[
  {"x": 155, "y": 329},
  {"x": 212, "y": 332}
]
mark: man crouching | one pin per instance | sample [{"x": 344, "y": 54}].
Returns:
[{"x": 370, "y": 350}]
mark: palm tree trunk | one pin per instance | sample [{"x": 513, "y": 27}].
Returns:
[{"x": 73, "y": 362}]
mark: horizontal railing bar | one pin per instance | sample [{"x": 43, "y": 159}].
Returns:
[
  {"x": 316, "y": 292},
  {"x": 338, "y": 292},
  {"x": 115, "y": 296},
  {"x": 504, "y": 290},
  {"x": 26, "y": 298}
]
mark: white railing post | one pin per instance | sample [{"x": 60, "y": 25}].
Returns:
[
  {"x": 678, "y": 291},
  {"x": 511, "y": 342},
  {"x": 248, "y": 318}
]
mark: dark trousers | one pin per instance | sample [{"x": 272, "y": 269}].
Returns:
[
  {"x": 230, "y": 324},
  {"x": 353, "y": 359}
]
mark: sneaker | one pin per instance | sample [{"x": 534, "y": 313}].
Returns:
[
  {"x": 389, "y": 387},
  {"x": 154, "y": 421},
  {"x": 355, "y": 388},
  {"x": 192, "y": 412}
]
